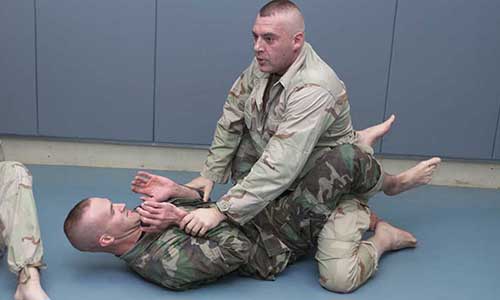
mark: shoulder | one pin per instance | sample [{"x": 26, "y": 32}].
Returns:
[{"x": 314, "y": 72}]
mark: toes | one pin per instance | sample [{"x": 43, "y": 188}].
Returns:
[{"x": 435, "y": 161}]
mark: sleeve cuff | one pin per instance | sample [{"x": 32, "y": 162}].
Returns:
[{"x": 217, "y": 178}]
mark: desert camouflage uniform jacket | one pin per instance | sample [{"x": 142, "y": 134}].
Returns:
[{"x": 292, "y": 122}]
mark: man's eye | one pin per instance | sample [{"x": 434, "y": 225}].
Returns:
[{"x": 269, "y": 39}]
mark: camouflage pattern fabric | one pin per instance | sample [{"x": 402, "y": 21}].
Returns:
[
  {"x": 291, "y": 120},
  {"x": 287, "y": 229},
  {"x": 19, "y": 229},
  {"x": 179, "y": 261},
  {"x": 297, "y": 217}
]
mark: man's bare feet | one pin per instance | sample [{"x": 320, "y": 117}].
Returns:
[
  {"x": 31, "y": 289},
  {"x": 418, "y": 175},
  {"x": 396, "y": 238},
  {"x": 390, "y": 238},
  {"x": 370, "y": 135}
]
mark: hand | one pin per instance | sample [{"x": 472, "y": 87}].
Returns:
[
  {"x": 153, "y": 187},
  {"x": 201, "y": 220},
  {"x": 158, "y": 216},
  {"x": 202, "y": 184}
]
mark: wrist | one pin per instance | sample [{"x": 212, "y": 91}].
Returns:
[{"x": 220, "y": 215}]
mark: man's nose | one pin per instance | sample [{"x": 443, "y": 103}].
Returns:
[{"x": 257, "y": 45}]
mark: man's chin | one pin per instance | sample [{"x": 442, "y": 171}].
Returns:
[{"x": 265, "y": 69}]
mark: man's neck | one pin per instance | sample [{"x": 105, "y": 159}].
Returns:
[{"x": 128, "y": 243}]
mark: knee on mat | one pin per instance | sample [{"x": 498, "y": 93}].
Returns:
[{"x": 338, "y": 275}]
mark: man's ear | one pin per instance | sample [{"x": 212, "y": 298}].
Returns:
[
  {"x": 106, "y": 240},
  {"x": 298, "y": 40}
]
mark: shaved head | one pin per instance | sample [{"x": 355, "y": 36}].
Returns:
[
  {"x": 278, "y": 34},
  {"x": 293, "y": 18},
  {"x": 82, "y": 232}
]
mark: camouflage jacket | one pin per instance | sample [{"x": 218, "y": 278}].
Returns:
[
  {"x": 291, "y": 124},
  {"x": 179, "y": 261}
]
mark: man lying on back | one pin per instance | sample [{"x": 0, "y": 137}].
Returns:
[{"x": 164, "y": 253}]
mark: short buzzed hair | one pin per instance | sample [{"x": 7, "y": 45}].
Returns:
[
  {"x": 285, "y": 7},
  {"x": 276, "y": 7},
  {"x": 72, "y": 226}
]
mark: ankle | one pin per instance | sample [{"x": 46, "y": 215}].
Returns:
[{"x": 391, "y": 184}]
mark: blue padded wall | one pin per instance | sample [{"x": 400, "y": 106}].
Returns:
[
  {"x": 444, "y": 82},
  {"x": 17, "y": 68},
  {"x": 131, "y": 71},
  {"x": 496, "y": 153},
  {"x": 96, "y": 68},
  {"x": 354, "y": 37},
  {"x": 195, "y": 73},
  {"x": 202, "y": 47}
]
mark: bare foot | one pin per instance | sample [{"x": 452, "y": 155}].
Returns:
[
  {"x": 418, "y": 175},
  {"x": 370, "y": 135},
  {"x": 30, "y": 290},
  {"x": 394, "y": 238},
  {"x": 154, "y": 187}
]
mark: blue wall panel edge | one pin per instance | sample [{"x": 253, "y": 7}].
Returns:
[{"x": 496, "y": 149}]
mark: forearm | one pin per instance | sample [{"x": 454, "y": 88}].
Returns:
[{"x": 182, "y": 191}]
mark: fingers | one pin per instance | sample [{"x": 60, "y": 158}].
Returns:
[
  {"x": 186, "y": 220},
  {"x": 139, "y": 181},
  {"x": 195, "y": 224},
  {"x": 206, "y": 193},
  {"x": 150, "y": 221},
  {"x": 189, "y": 226},
  {"x": 196, "y": 228},
  {"x": 203, "y": 231},
  {"x": 142, "y": 178},
  {"x": 157, "y": 208},
  {"x": 147, "y": 198},
  {"x": 155, "y": 205},
  {"x": 148, "y": 212},
  {"x": 144, "y": 174},
  {"x": 193, "y": 227}
]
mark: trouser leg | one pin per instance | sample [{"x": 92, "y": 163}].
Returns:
[
  {"x": 345, "y": 169},
  {"x": 345, "y": 262},
  {"x": 298, "y": 216},
  {"x": 19, "y": 227}
]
